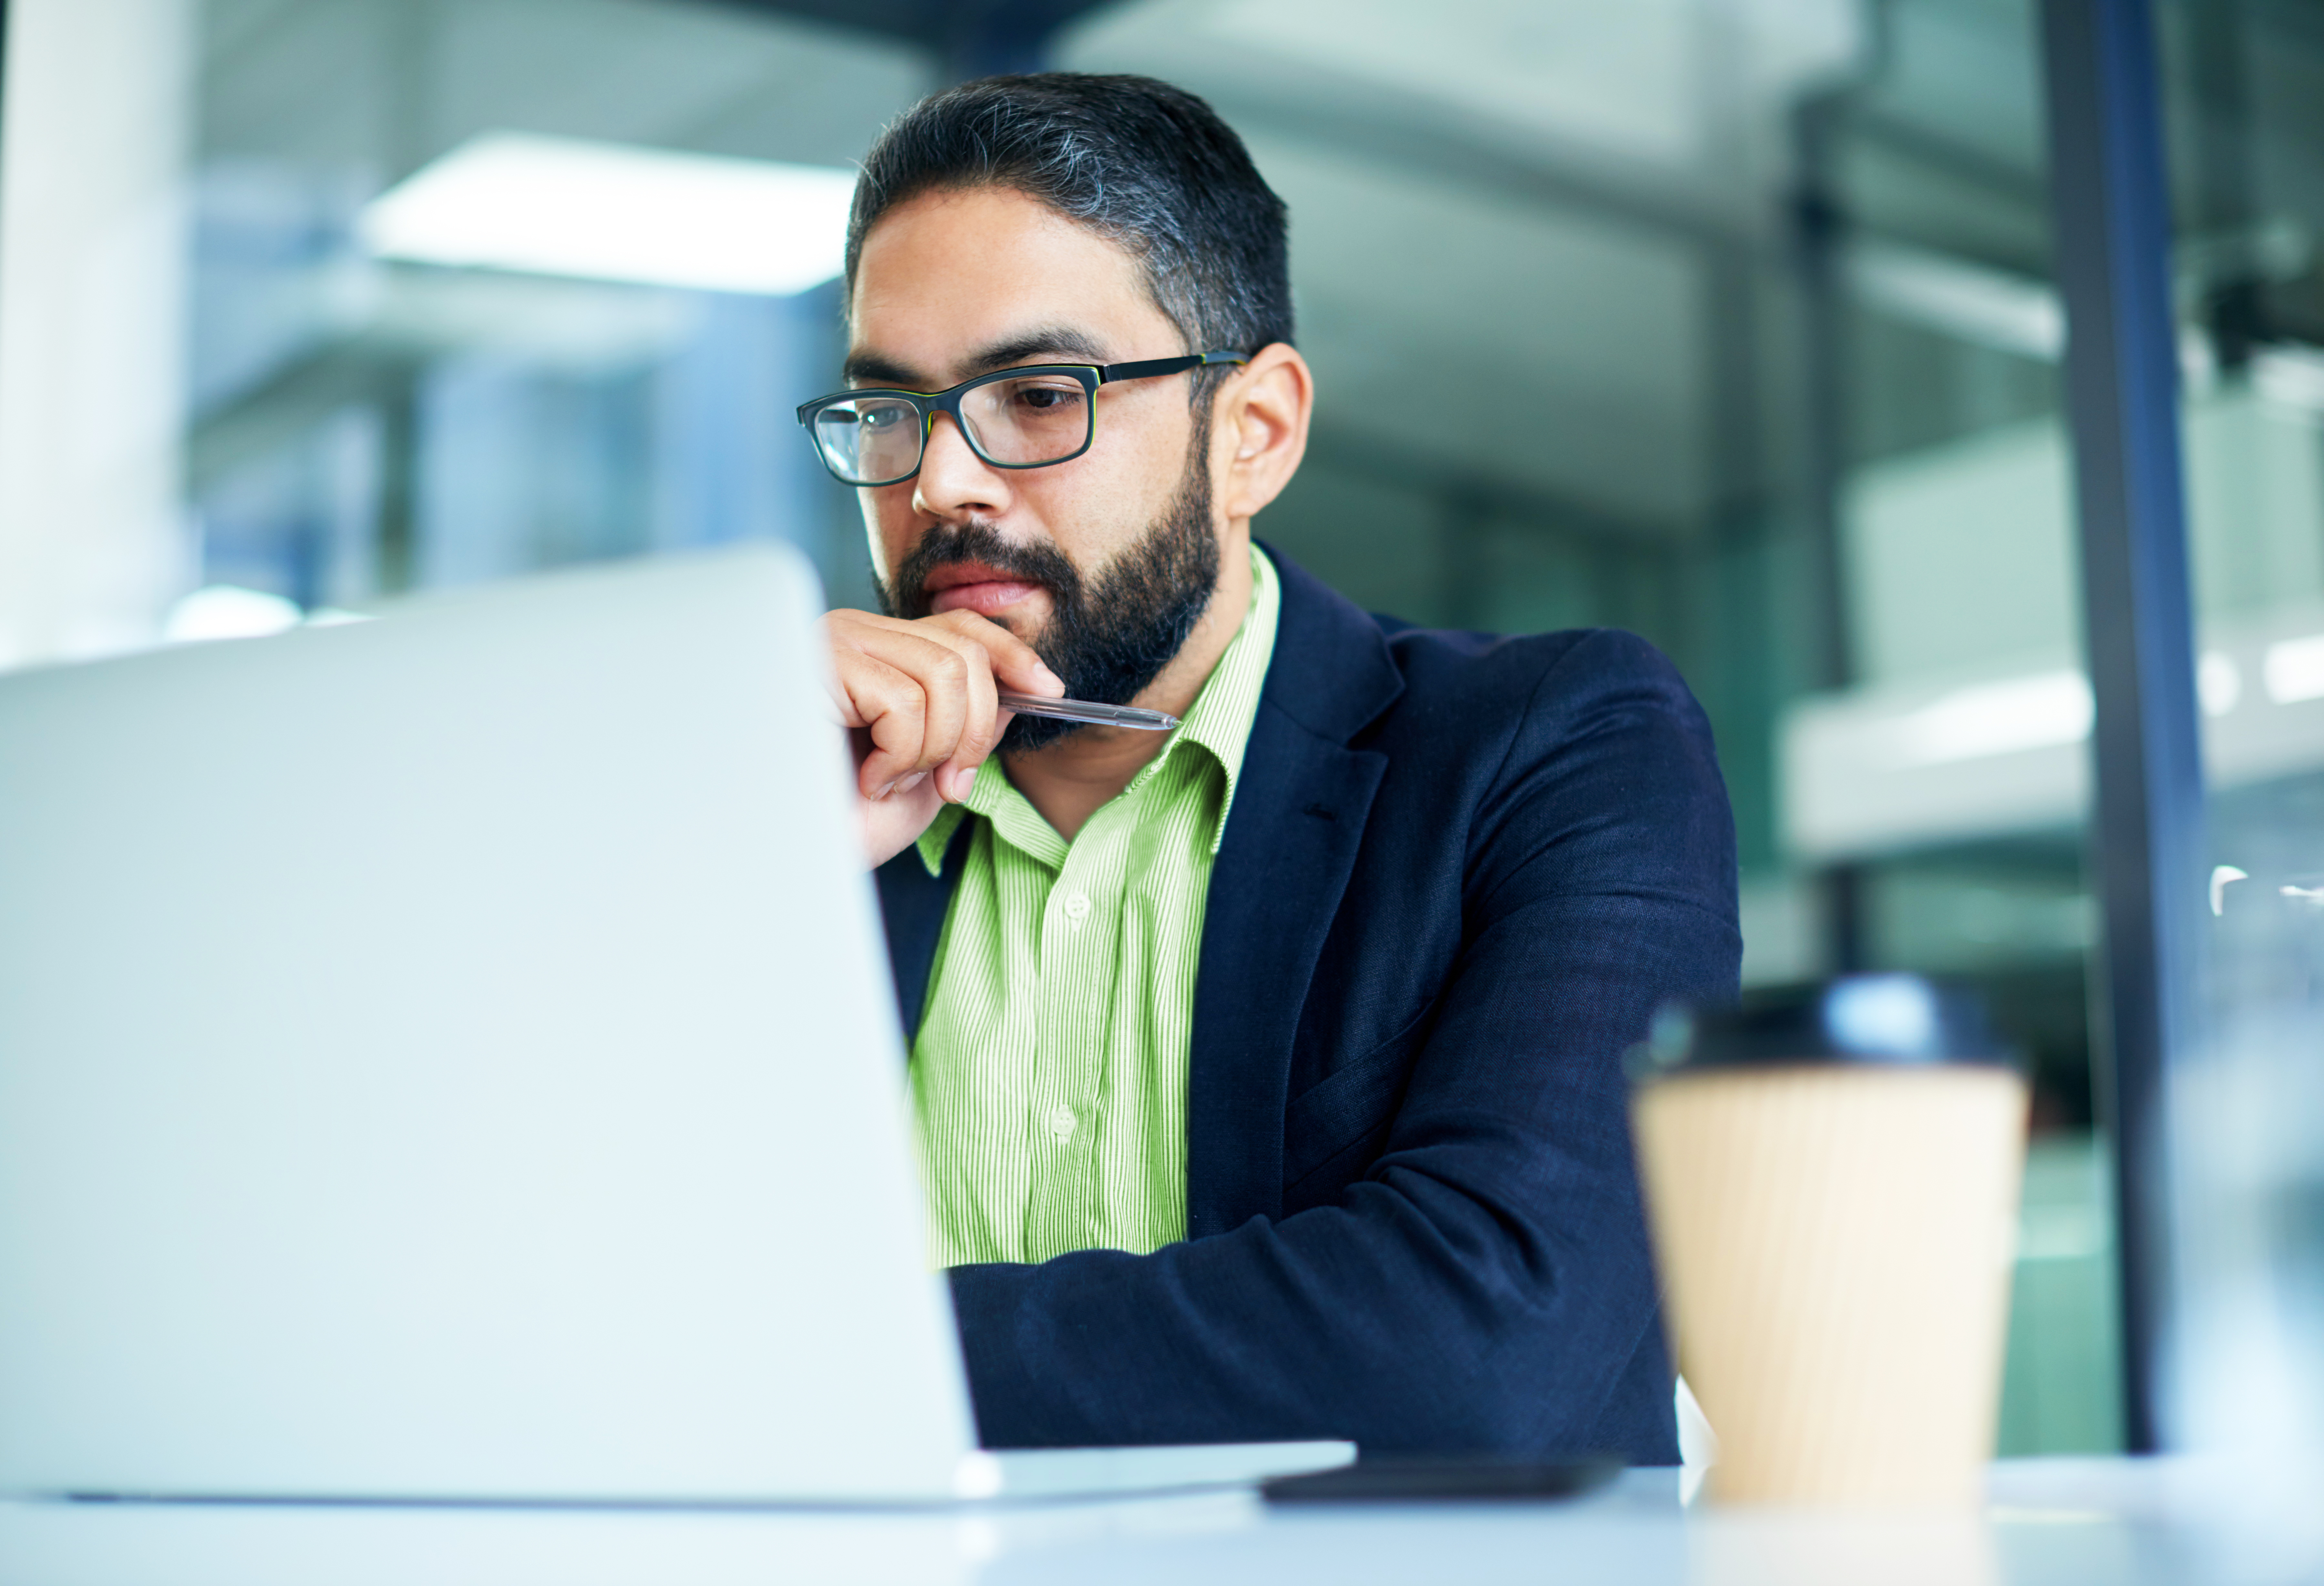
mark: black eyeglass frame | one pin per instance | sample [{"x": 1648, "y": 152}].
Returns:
[{"x": 929, "y": 403}]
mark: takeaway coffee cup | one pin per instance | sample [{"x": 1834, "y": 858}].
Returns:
[{"x": 1833, "y": 1184}]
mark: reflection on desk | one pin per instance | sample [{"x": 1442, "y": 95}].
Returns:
[{"x": 2051, "y": 1523}]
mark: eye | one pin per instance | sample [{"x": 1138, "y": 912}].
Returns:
[{"x": 1046, "y": 399}]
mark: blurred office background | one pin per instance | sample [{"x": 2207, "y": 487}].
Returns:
[{"x": 1731, "y": 322}]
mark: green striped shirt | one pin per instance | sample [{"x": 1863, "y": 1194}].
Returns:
[{"x": 1049, "y": 1073}]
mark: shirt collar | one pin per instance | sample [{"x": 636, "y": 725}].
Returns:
[
  {"x": 1218, "y": 722},
  {"x": 1220, "y": 716}
]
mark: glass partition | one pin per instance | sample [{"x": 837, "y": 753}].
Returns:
[
  {"x": 2245, "y": 85},
  {"x": 429, "y": 343}
]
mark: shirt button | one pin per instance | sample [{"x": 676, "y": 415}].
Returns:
[
  {"x": 1062, "y": 1121},
  {"x": 1077, "y": 907}
]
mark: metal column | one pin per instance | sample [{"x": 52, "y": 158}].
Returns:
[
  {"x": 1820, "y": 225},
  {"x": 2111, "y": 201}
]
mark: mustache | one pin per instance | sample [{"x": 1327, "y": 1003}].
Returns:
[
  {"x": 905, "y": 594},
  {"x": 1108, "y": 634}
]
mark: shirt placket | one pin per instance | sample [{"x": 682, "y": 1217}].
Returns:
[{"x": 1080, "y": 932}]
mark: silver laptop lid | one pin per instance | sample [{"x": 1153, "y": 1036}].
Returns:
[{"x": 452, "y": 1056}]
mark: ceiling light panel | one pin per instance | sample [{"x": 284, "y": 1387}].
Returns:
[{"x": 616, "y": 212}]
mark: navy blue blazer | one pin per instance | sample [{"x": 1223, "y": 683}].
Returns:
[{"x": 1460, "y": 874}]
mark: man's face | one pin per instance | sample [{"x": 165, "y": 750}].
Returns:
[{"x": 1103, "y": 563}]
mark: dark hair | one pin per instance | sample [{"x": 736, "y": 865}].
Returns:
[{"x": 1147, "y": 166}]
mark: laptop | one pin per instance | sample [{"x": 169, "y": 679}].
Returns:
[{"x": 452, "y": 1058}]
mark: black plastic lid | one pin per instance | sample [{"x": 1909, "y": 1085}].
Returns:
[{"x": 1898, "y": 1019}]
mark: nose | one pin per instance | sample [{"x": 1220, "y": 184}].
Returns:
[{"x": 953, "y": 480}]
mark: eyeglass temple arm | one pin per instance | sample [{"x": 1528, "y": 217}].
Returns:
[{"x": 1153, "y": 366}]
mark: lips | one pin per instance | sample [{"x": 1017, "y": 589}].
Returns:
[{"x": 978, "y": 587}]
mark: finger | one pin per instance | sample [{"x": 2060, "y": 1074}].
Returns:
[
  {"x": 858, "y": 637},
  {"x": 942, "y": 669},
  {"x": 981, "y": 727},
  {"x": 891, "y": 705},
  {"x": 843, "y": 634},
  {"x": 960, "y": 775},
  {"x": 866, "y": 646},
  {"x": 1014, "y": 662},
  {"x": 947, "y": 672},
  {"x": 956, "y": 776}
]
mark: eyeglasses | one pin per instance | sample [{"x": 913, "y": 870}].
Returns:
[{"x": 1027, "y": 418}]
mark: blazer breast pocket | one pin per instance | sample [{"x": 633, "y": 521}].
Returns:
[{"x": 1355, "y": 1103}]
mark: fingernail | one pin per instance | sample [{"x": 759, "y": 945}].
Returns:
[
  {"x": 912, "y": 781},
  {"x": 883, "y": 792}
]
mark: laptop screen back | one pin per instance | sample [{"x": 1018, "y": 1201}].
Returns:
[{"x": 452, "y": 1056}]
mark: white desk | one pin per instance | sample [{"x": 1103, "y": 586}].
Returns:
[{"x": 2051, "y": 1523}]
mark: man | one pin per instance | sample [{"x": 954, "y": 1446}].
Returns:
[{"x": 1266, "y": 1073}]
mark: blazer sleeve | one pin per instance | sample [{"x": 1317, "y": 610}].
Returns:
[{"x": 1486, "y": 1286}]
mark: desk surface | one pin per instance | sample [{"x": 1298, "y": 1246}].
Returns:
[{"x": 2055, "y": 1522}]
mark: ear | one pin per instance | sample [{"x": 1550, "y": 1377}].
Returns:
[{"x": 1262, "y": 429}]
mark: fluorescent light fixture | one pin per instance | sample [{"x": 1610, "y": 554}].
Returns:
[
  {"x": 612, "y": 212},
  {"x": 2293, "y": 669},
  {"x": 1971, "y": 301},
  {"x": 1992, "y": 308},
  {"x": 229, "y": 610},
  {"x": 2291, "y": 376},
  {"x": 2218, "y": 683},
  {"x": 1997, "y": 718}
]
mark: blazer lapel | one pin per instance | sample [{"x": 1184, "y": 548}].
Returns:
[{"x": 1291, "y": 841}]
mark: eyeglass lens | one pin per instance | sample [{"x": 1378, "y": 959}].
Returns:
[
  {"x": 870, "y": 440},
  {"x": 1024, "y": 420}
]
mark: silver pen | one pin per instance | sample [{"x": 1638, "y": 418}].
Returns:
[{"x": 1083, "y": 710}]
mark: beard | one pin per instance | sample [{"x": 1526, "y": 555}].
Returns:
[{"x": 1109, "y": 637}]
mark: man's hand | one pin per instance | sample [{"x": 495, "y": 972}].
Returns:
[{"x": 918, "y": 701}]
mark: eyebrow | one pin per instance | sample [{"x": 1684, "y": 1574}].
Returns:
[
  {"x": 1046, "y": 343},
  {"x": 867, "y": 368}
]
